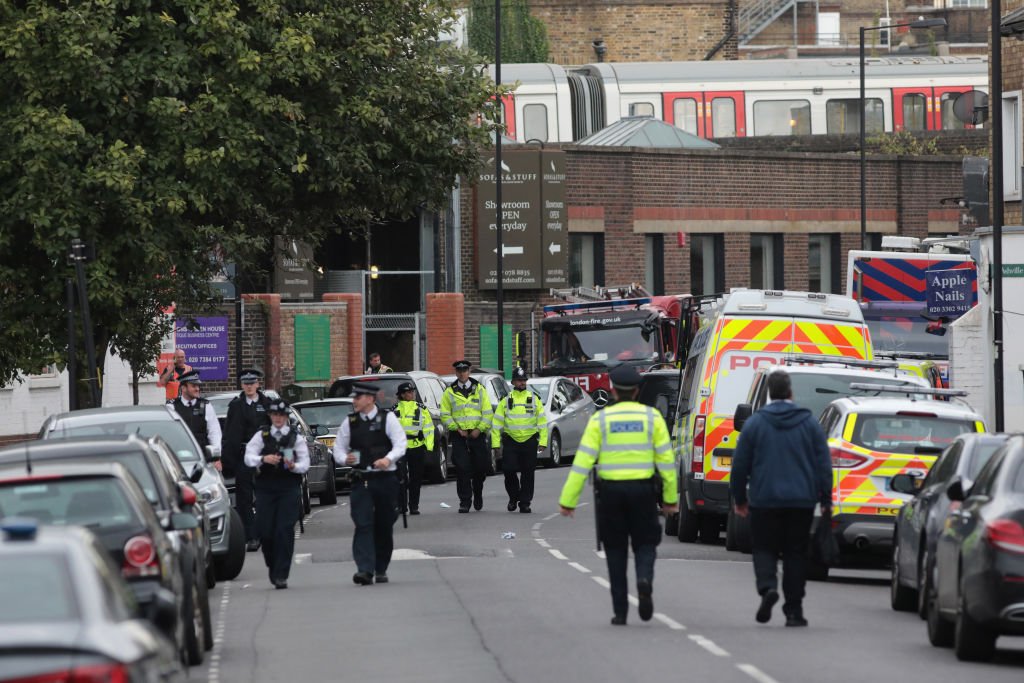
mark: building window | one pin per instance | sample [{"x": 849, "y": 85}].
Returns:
[
  {"x": 823, "y": 267},
  {"x": 654, "y": 263},
  {"x": 586, "y": 259},
  {"x": 782, "y": 117},
  {"x": 707, "y": 264},
  {"x": 535, "y": 122},
  {"x": 843, "y": 116},
  {"x": 829, "y": 33},
  {"x": 684, "y": 114},
  {"x": 766, "y": 261},
  {"x": 1012, "y": 146},
  {"x": 967, "y": 3},
  {"x": 641, "y": 109}
]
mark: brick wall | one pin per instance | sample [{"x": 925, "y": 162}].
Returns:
[
  {"x": 338, "y": 312},
  {"x": 352, "y": 361},
  {"x": 445, "y": 339},
  {"x": 515, "y": 314}
]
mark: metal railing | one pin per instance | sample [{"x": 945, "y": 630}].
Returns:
[{"x": 755, "y": 15}]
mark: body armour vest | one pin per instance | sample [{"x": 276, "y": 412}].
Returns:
[
  {"x": 369, "y": 437},
  {"x": 195, "y": 418},
  {"x": 272, "y": 446}
]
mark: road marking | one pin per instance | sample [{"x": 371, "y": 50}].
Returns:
[
  {"x": 411, "y": 554},
  {"x": 600, "y": 553},
  {"x": 633, "y": 601},
  {"x": 303, "y": 558},
  {"x": 755, "y": 673},
  {"x": 542, "y": 543},
  {"x": 601, "y": 581},
  {"x": 579, "y": 567},
  {"x": 550, "y": 517},
  {"x": 537, "y": 526},
  {"x": 709, "y": 645},
  {"x": 669, "y": 621},
  {"x": 213, "y": 673},
  {"x": 557, "y": 554}
]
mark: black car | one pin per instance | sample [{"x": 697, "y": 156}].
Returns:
[
  {"x": 106, "y": 499},
  {"x": 921, "y": 520},
  {"x": 168, "y": 496},
  {"x": 68, "y": 616},
  {"x": 977, "y": 591}
]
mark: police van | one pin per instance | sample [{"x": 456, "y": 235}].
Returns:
[{"x": 740, "y": 332}]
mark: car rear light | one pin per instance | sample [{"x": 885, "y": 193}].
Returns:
[
  {"x": 93, "y": 673},
  {"x": 187, "y": 495},
  {"x": 697, "y": 464},
  {"x": 1005, "y": 534},
  {"x": 846, "y": 459},
  {"x": 140, "y": 558}
]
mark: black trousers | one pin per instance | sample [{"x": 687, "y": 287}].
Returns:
[
  {"x": 416, "y": 462},
  {"x": 628, "y": 516},
  {"x": 518, "y": 462},
  {"x": 278, "y": 506},
  {"x": 785, "y": 533},
  {"x": 245, "y": 496},
  {"x": 374, "y": 511},
  {"x": 472, "y": 461}
]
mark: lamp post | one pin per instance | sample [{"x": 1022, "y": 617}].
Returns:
[{"x": 920, "y": 23}]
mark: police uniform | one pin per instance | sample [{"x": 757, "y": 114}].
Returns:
[
  {"x": 629, "y": 445},
  {"x": 198, "y": 414},
  {"x": 419, "y": 433},
  {"x": 245, "y": 417},
  {"x": 519, "y": 429},
  {"x": 278, "y": 491},
  {"x": 374, "y": 435},
  {"x": 467, "y": 407}
]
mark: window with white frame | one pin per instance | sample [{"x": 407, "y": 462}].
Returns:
[
  {"x": 641, "y": 109},
  {"x": 535, "y": 122},
  {"x": 1012, "y": 145}
]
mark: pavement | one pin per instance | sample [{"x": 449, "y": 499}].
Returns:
[{"x": 468, "y": 603}]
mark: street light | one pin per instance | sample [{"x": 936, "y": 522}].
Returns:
[{"x": 920, "y": 23}]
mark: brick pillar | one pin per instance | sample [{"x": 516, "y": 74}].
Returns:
[
  {"x": 446, "y": 323},
  {"x": 272, "y": 346},
  {"x": 354, "y": 334}
]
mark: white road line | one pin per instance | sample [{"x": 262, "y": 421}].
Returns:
[
  {"x": 542, "y": 543},
  {"x": 633, "y": 601},
  {"x": 600, "y": 553},
  {"x": 303, "y": 558},
  {"x": 557, "y": 554},
  {"x": 601, "y": 581},
  {"x": 709, "y": 645},
  {"x": 552, "y": 516},
  {"x": 213, "y": 673},
  {"x": 579, "y": 567},
  {"x": 537, "y": 526},
  {"x": 669, "y": 621},
  {"x": 755, "y": 673}
]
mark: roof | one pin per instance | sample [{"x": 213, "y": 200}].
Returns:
[
  {"x": 758, "y": 302},
  {"x": 889, "y": 405},
  {"x": 645, "y": 131},
  {"x": 85, "y": 445}
]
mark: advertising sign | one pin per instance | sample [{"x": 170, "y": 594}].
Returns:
[
  {"x": 554, "y": 234},
  {"x": 949, "y": 292},
  {"x": 293, "y": 274},
  {"x": 520, "y": 199},
  {"x": 206, "y": 348}
]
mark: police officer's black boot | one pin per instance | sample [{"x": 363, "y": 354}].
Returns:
[
  {"x": 362, "y": 578},
  {"x": 619, "y": 620},
  {"x": 644, "y": 591}
]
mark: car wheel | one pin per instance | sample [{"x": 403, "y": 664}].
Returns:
[
  {"x": 439, "y": 471},
  {"x": 687, "y": 524},
  {"x": 229, "y": 565},
  {"x": 710, "y": 526},
  {"x": 204, "y": 605},
  {"x": 901, "y": 598},
  {"x": 330, "y": 492},
  {"x": 924, "y": 581},
  {"x": 555, "y": 449},
  {"x": 192, "y": 616},
  {"x": 972, "y": 641},
  {"x": 940, "y": 631}
]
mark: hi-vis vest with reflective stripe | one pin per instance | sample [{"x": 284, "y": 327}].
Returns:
[
  {"x": 459, "y": 411},
  {"x": 520, "y": 415},
  {"x": 624, "y": 441},
  {"x": 415, "y": 420}
]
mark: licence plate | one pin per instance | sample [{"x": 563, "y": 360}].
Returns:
[
  {"x": 328, "y": 441},
  {"x": 725, "y": 461}
]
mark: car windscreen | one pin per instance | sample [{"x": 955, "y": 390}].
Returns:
[
  {"x": 36, "y": 588},
  {"x": 980, "y": 456},
  {"x": 173, "y": 432},
  {"x": 220, "y": 404},
  {"x": 908, "y": 433},
  {"x": 542, "y": 389},
  {"x": 816, "y": 391},
  {"x": 582, "y": 344},
  {"x": 96, "y": 502},
  {"x": 329, "y": 415}
]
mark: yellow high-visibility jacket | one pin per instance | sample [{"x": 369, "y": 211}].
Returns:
[{"x": 524, "y": 418}]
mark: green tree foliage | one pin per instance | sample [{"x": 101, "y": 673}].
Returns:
[
  {"x": 524, "y": 38},
  {"x": 904, "y": 142},
  {"x": 162, "y": 131}
]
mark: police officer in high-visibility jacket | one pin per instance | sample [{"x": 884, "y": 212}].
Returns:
[
  {"x": 628, "y": 443},
  {"x": 466, "y": 412},
  {"x": 419, "y": 434},
  {"x": 520, "y": 429}
]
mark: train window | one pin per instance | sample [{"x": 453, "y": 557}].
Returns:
[
  {"x": 535, "y": 122},
  {"x": 843, "y": 116},
  {"x": 915, "y": 111},
  {"x": 782, "y": 117},
  {"x": 723, "y": 117},
  {"x": 949, "y": 119},
  {"x": 641, "y": 109},
  {"x": 684, "y": 110}
]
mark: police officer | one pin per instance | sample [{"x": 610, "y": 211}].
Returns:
[
  {"x": 419, "y": 432},
  {"x": 628, "y": 442},
  {"x": 281, "y": 458},
  {"x": 372, "y": 441},
  {"x": 520, "y": 429},
  {"x": 466, "y": 412},
  {"x": 198, "y": 413},
  {"x": 248, "y": 413}
]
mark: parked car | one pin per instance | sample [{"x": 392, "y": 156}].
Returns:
[
  {"x": 568, "y": 409},
  {"x": 429, "y": 388},
  {"x": 68, "y": 616},
  {"x": 977, "y": 594},
  {"x": 324, "y": 416},
  {"x": 227, "y": 535},
  {"x": 923, "y": 518},
  {"x": 166, "y": 494},
  {"x": 106, "y": 499}
]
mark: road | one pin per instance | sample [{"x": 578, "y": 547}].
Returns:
[{"x": 467, "y": 604}]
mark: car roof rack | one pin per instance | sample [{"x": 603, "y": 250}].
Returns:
[
  {"x": 897, "y": 389},
  {"x": 810, "y": 359}
]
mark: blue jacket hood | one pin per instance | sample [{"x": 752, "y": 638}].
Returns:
[{"x": 785, "y": 414}]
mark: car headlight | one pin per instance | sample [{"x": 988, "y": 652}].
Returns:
[{"x": 211, "y": 494}]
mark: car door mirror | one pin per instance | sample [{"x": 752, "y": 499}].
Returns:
[
  {"x": 321, "y": 430},
  {"x": 183, "y": 521},
  {"x": 955, "y": 490},
  {"x": 904, "y": 483},
  {"x": 742, "y": 414},
  {"x": 196, "y": 474}
]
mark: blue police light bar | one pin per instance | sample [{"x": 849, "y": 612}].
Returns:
[
  {"x": 597, "y": 305},
  {"x": 898, "y": 389},
  {"x": 19, "y": 528}
]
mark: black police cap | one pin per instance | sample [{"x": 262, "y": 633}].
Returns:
[
  {"x": 278, "y": 406},
  {"x": 404, "y": 387},
  {"x": 190, "y": 376},
  {"x": 250, "y": 375},
  {"x": 625, "y": 377},
  {"x": 462, "y": 365},
  {"x": 364, "y": 388}
]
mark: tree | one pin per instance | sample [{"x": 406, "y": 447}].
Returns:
[
  {"x": 524, "y": 38},
  {"x": 160, "y": 133}
]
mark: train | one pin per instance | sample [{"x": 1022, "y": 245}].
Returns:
[{"x": 724, "y": 99}]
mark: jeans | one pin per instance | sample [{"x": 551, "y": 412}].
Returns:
[{"x": 785, "y": 533}]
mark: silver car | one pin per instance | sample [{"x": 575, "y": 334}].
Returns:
[
  {"x": 568, "y": 410},
  {"x": 227, "y": 536}
]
